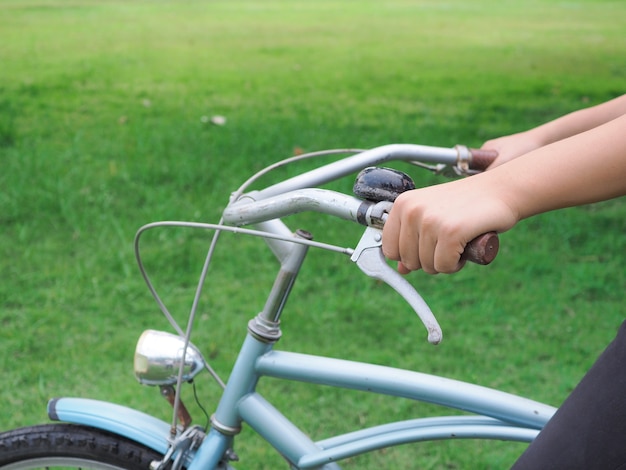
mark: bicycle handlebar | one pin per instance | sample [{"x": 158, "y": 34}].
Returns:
[
  {"x": 481, "y": 159},
  {"x": 481, "y": 250},
  {"x": 459, "y": 156},
  {"x": 296, "y": 195}
]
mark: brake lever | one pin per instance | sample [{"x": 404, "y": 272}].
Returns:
[{"x": 368, "y": 256}]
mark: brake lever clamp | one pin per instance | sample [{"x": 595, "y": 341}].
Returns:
[{"x": 368, "y": 256}]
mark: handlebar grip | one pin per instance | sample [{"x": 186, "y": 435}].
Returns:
[
  {"x": 481, "y": 159},
  {"x": 482, "y": 249}
]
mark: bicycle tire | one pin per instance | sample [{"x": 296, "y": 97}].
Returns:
[{"x": 71, "y": 446}]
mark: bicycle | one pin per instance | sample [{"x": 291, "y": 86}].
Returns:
[{"x": 102, "y": 435}]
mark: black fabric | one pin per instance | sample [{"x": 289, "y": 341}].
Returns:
[{"x": 588, "y": 431}]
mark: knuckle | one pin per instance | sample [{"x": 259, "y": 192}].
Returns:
[
  {"x": 411, "y": 266},
  {"x": 390, "y": 253}
]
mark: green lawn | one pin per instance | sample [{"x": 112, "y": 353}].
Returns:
[{"x": 103, "y": 110}]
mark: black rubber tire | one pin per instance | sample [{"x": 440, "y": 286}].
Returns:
[{"x": 71, "y": 446}]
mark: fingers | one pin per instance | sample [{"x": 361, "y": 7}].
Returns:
[
  {"x": 429, "y": 256},
  {"x": 402, "y": 269},
  {"x": 401, "y": 237},
  {"x": 418, "y": 242},
  {"x": 448, "y": 259},
  {"x": 439, "y": 251}
]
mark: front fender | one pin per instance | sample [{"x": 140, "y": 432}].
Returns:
[
  {"x": 121, "y": 420},
  {"x": 137, "y": 426}
]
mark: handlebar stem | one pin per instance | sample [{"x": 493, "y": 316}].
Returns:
[{"x": 266, "y": 325}]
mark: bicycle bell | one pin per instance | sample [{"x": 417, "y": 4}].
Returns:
[{"x": 381, "y": 184}]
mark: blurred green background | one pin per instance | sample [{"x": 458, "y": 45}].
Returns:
[{"x": 105, "y": 110}]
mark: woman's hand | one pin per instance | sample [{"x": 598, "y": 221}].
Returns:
[
  {"x": 428, "y": 228},
  {"x": 511, "y": 146}
]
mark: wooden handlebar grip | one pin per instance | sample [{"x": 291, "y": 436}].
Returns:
[
  {"x": 482, "y": 249},
  {"x": 481, "y": 159}
]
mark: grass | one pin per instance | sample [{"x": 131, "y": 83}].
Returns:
[{"x": 101, "y": 131}]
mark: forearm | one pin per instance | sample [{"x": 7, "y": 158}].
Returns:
[
  {"x": 578, "y": 121},
  {"x": 512, "y": 146},
  {"x": 584, "y": 168}
]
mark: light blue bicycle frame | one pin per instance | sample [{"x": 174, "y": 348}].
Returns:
[{"x": 495, "y": 414}]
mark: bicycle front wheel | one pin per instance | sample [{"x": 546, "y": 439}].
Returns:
[{"x": 62, "y": 445}]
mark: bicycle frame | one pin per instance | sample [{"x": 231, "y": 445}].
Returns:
[
  {"x": 496, "y": 414},
  {"x": 503, "y": 416}
]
